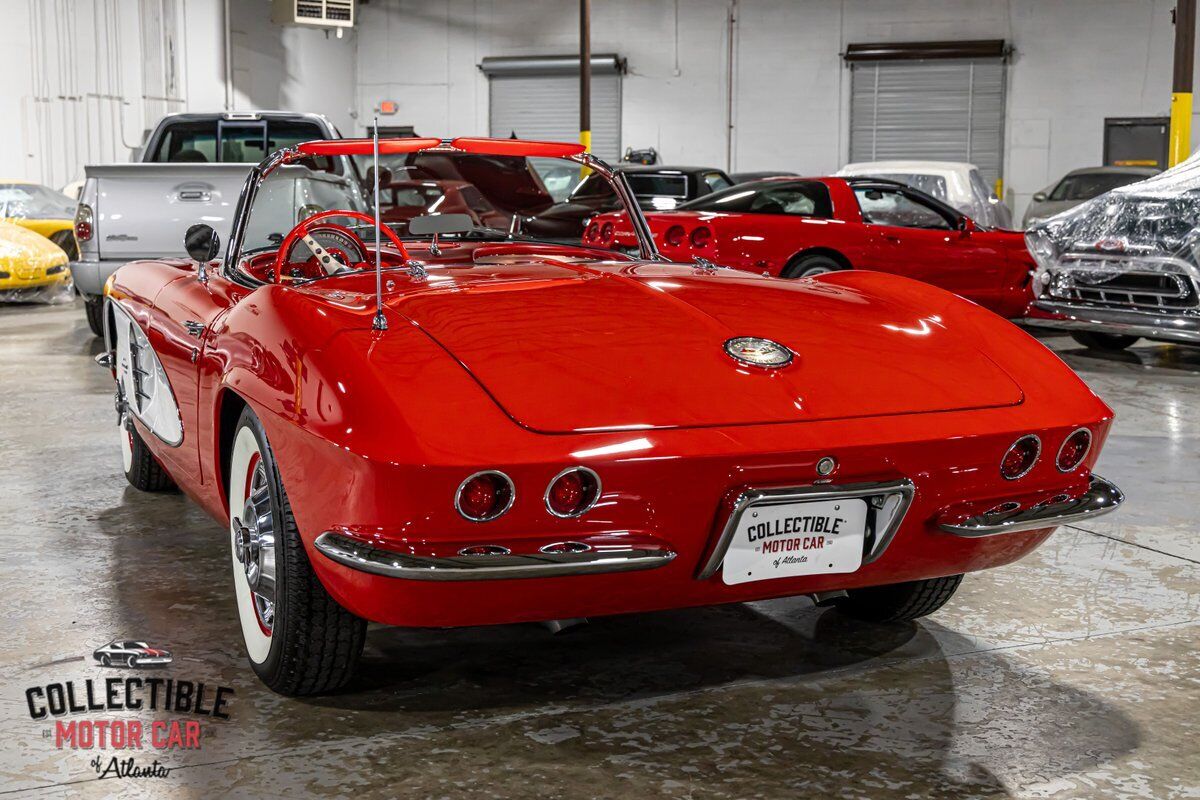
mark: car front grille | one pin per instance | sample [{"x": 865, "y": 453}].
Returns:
[{"x": 1132, "y": 283}]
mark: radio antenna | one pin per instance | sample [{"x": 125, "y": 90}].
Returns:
[{"x": 380, "y": 323}]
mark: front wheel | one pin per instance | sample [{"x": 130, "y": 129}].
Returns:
[
  {"x": 142, "y": 469},
  {"x": 299, "y": 639},
  {"x": 94, "y": 309},
  {"x": 899, "y": 602},
  {"x": 1112, "y": 342}
]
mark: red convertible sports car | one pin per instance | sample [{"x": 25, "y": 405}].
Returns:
[
  {"x": 467, "y": 426},
  {"x": 800, "y": 227}
]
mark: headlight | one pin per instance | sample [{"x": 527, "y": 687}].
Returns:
[{"x": 1037, "y": 239}]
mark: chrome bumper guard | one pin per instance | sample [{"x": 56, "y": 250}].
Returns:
[
  {"x": 1175, "y": 327},
  {"x": 886, "y": 505},
  {"x": 1101, "y": 497},
  {"x": 362, "y": 556}
]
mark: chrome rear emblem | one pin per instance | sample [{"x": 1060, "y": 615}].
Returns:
[{"x": 758, "y": 352}]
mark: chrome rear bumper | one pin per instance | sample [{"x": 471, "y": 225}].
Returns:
[
  {"x": 362, "y": 556},
  {"x": 1101, "y": 497}
]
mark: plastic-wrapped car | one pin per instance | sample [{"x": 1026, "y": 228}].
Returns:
[
  {"x": 32, "y": 268},
  {"x": 41, "y": 210},
  {"x": 1123, "y": 265}
]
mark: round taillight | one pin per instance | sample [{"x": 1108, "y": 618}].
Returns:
[
  {"x": 606, "y": 232},
  {"x": 701, "y": 237},
  {"x": 484, "y": 496},
  {"x": 572, "y": 492},
  {"x": 674, "y": 235},
  {"x": 1074, "y": 449},
  {"x": 1021, "y": 457},
  {"x": 591, "y": 233}
]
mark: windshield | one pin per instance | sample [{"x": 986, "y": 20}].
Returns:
[
  {"x": 1089, "y": 185},
  {"x": 31, "y": 201},
  {"x": 934, "y": 185},
  {"x": 469, "y": 199}
]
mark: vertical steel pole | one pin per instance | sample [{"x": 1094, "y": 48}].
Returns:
[
  {"x": 1181, "y": 83},
  {"x": 380, "y": 322},
  {"x": 585, "y": 74}
]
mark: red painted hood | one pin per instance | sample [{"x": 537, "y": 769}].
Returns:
[{"x": 564, "y": 347}]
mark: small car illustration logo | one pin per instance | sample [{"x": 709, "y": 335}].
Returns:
[
  {"x": 758, "y": 352},
  {"x": 131, "y": 653}
]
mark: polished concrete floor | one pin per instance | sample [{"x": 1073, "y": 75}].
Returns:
[{"x": 1075, "y": 673}]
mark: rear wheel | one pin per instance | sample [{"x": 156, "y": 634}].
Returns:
[
  {"x": 142, "y": 469},
  {"x": 810, "y": 266},
  {"x": 899, "y": 602},
  {"x": 299, "y": 639},
  {"x": 1112, "y": 342},
  {"x": 94, "y": 309}
]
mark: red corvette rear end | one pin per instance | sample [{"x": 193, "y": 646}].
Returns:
[{"x": 487, "y": 428}]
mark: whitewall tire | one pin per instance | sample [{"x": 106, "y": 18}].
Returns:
[{"x": 300, "y": 641}]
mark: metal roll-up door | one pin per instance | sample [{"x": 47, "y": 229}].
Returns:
[
  {"x": 944, "y": 109},
  {"x": 538, "y": 98}
]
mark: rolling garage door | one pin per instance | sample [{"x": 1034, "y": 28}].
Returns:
[
  {"x": 929, "y": 102},
  {"x": 538, "y": 98}
]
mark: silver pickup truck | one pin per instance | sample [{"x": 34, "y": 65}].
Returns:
[{"x": 193, "y": 167}]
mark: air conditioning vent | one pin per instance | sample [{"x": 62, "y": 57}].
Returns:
[{"x": 314, "y": 13}]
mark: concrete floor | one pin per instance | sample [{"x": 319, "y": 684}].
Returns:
[{"x": 1075, "y": 673}]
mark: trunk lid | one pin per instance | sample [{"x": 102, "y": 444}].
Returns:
[{"x": 540, "y": 337}]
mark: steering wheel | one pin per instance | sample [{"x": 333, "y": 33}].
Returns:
[{"x": 303, "y": 232}]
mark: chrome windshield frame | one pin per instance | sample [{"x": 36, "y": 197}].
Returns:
[{"x": 647, "y": 250}]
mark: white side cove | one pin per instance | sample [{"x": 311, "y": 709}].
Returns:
[{"x": 143, "y": 381}]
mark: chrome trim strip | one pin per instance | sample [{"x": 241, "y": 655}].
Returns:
[
  {"x": 1101, "y": 497},
  {"x": 887, "y": 504},
  {"x": 365, "y": 558}
]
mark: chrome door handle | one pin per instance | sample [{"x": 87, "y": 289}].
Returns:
[{"x": 194, "y": 328}]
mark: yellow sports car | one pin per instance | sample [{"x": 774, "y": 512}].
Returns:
[
  {"x": 41, "y": 210},
  {"x": 29, "y": 261}
]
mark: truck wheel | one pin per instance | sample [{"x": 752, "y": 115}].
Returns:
[
  {"x": 1112, "y": 342},
  {"x": 899, "y": 602},
  {"x": 142, "y": 469},
  {"x": 299, "y": 639},
  {"x": 94, "y": 309},
  {"x": 809, "y": 266}
]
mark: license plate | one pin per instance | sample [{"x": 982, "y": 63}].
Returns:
[{"x": 820, "y": 537}]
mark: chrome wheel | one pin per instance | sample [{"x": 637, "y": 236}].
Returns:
[
  {"x": 254, "y": 545},
  {"x": 812, "y": 272}
]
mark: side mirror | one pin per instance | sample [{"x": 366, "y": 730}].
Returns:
[
  {"x": 202, "y": 243},
  {"x": 967, "y": 226},
  {"x": 1039, "y": 197}
]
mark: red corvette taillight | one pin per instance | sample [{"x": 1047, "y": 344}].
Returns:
[
  {"x": 484, "y": 496},
  {"x": 701, "y": 237},
  {"x": 83, "y": 223},
  {"x": 606, "y": 232},
  {"x": 572, "y": 492},
  {"x": 591, "y": 233},
  {"x": 674, "y": 235},
  {"x": 1021, "y": 457},
  {"x": 1074, "y": 449}
]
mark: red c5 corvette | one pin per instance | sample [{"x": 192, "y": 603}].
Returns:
[
  {"x": 467, "y": 426},
  {"x": 800, "y": 227}
]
